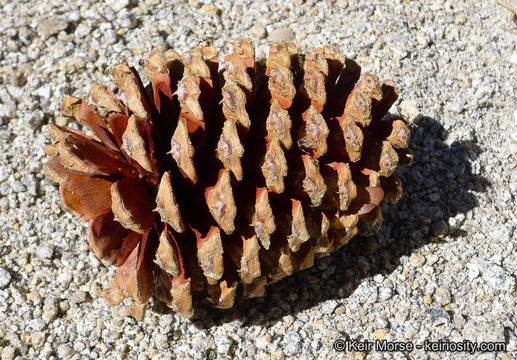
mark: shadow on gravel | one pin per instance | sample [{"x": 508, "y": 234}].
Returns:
[{"x": 437, "y": 187}]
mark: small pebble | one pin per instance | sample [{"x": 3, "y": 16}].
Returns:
[
  {"x": 44, "y": 252},
  {"x": 78, "y": 297},
  {"x": 8, "y": 353},
  {"x": 408, "y": 108},
  {"x": 442, "y": 296},
  {"x": 5, "y": 277},
  {"x": 65, "y": 278},
  {"x": 223, "y": 344},
  {"x": 292, "y": 343},
  {"x": 513, "y": 58},
  {"x": 51, "y": 26},
  {"x": 126, "y": 19},
  {"x": 64, "y": 306},
  {"x": 65, "y": 351},
  {"x": 258, "y": 31},
  {"x": 417, "y": 260},
  {"x": 44, "y": 93},
  {"x": 118, "y": 5},
  {"x": 37, "y": 339},
  {"x": 340, "y": 310},
  {"x": 329, "y": 306},
  {"x": 210, "y": 10},
  {"x": 281, "y": 34},
  {"x": 496, "y": 277},
  {"x": 440, "y": 228},
  {"x": 439, "y": 316},
  {"x": 385, "y": 293},
  {"x": 50, "y": 309}
]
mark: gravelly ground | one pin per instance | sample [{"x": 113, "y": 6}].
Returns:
[{"x": 442, "y": 267}]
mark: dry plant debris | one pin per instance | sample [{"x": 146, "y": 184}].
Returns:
[{"x": 512, "y": 8}]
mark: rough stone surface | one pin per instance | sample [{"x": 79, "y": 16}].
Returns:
[{"x": 445, "y": 263}]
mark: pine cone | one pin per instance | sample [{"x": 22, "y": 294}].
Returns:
[{"x": 206, "y": 179}]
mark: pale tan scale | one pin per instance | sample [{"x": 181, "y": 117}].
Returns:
[
  {"x": 229, "y": 148},
  {"x": 182, "y": 150},
  {"x": 234, "y": 103},
  {"x": 210, "y": 256},
  {"x": 250, "y": 260},
  {"x": 166, "y": 256},
  {"x": 263, "y": 220},
  {"x": 166, "y": 204},
  {"x": 188, "y": 93},
  {"x": 221, "y": 203},
  {"x": 135, "y": 146},
  {"x": 125, "y": 80},
  {"x": 278, "y": 125},
  {"x": 274, "y": 167}
]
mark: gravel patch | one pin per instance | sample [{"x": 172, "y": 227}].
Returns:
[{"x": 442, "y": 267}]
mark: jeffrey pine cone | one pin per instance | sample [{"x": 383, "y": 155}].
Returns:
[{"x": 206, "y": 179}]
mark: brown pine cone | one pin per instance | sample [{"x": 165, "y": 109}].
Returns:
[{"x": 205, "y": 179}]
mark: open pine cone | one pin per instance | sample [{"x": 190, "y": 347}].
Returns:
[{"x": 206, "y": 179}]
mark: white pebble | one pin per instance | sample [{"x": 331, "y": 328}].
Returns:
[
  {"x": 5, "y": 277},
  {"x": 281, "y": 34}
]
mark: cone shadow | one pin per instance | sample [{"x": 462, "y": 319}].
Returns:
[{"x": 438, "y": 186}]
